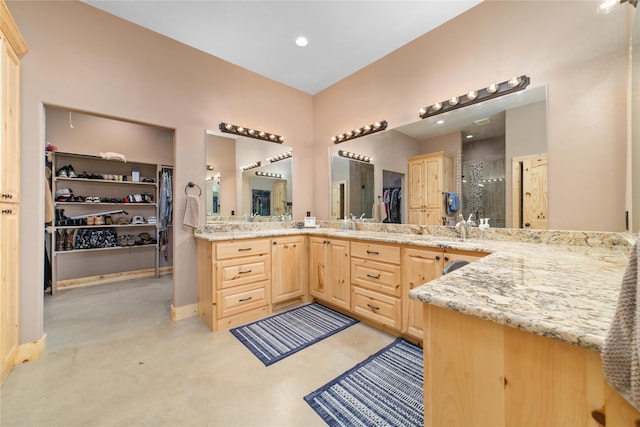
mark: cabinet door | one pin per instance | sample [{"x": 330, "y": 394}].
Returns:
[
  {"x": 10, "y": 149},
  {"x": 433, "y": 185},
  {"x": 432, "y": 217},
  {"x": 339, "y": 273},
  {"x": 418, "y": 267},
  {"x": 9, "y": 287},
  {"x": 288, "y": 268},
  {"x": 417, "y": 182},
  {"x": 418, "y": 216},
  {"x": 317, "y": 268},
  {"x": 470, "y": 256}
]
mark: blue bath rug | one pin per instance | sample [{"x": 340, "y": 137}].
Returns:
[
  {"x": 384, "y": 390},
  {"x": 279, "y": 336}
]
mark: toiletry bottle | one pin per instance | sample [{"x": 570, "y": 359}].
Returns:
[{"x": 345, "y": 225}]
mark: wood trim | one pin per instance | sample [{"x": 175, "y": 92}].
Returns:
[
  {"x": 113, "y": 277},
  {"x": 31, "y": 351},
  {"x": 183, "y": 312},
  {"x": 11, "y": 32}
]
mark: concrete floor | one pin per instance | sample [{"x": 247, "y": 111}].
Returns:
[{"x": 115, "y": 358}]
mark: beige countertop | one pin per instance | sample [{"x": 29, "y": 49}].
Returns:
[{"x": 562, "y": 285}]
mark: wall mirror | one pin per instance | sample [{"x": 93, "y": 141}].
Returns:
[
  {"x": 494, "y": 145},
  {"x": 237, "y": 191}
]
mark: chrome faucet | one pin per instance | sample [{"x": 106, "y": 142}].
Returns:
[
  {"x": 463, "y": 227},
  {"x": 352, "y": 222}
]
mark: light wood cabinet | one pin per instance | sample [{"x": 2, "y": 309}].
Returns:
[
  {"x": 429, "y": 176},
  {"x": 480, "y": 373},
  {"x": 376, "y": 291},
  {"x": 288, "y": 268},
  {"x": 419, "y": 266},
  {"x": 12, "y": 48},
  {"x": 234, "y": 281},
  {"x": 329, "y": 275}
]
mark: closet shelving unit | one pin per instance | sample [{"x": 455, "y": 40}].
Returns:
[{"x": 102, "y": 264}]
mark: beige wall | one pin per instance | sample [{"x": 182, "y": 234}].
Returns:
[
  {"x": 579, "y": 54},
  {"x": 88, "y": 60},
  {"x": 85, "y": 59}
]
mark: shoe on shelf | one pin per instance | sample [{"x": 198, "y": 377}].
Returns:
[
  {"x": 91, "y": 220},
  {"x": 68, "y": 241},
  {"x": 60, "y": 238},
  {"x": 62, "y": 172},
  {"x": 99, "y": 220},
  {"x": 71, "y": 173},
  {"x": 122, "y": 240}
]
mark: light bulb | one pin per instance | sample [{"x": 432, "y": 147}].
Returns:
[
  {"x": 472, "y": 95},
  {"x": 514, "y": 82},
  {"x": 453, "y": 101},
  {"x": 436, "y": 107},
  {"x": 492, "y": 88}
]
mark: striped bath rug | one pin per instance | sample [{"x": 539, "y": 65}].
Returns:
[
  {"x": 384, "y": 390},
  {"x": 279, "y": 336}
]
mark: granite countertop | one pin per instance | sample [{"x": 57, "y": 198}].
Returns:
[{"x": 561, "y": 285}]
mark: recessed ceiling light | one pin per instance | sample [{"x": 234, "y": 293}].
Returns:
[
  {"x": 302, "y": 41},
  {"x": 469, "y": 136},
  {"x": 439, "y": 122}
]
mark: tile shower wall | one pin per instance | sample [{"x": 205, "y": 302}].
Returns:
[{"x": 483, "y": 191}]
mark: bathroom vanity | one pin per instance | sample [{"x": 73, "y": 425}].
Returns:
[{"x": 512, "y": 339}]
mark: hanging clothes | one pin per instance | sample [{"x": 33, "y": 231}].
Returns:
[
  {"x": 166, "y": 197},
  {"x": 392, "y": 197}
]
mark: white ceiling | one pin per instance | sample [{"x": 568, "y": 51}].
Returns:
[{"x": 344, "y": 36}]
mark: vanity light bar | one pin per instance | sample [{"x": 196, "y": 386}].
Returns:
[
  {"x": 355, "y": 156},
  {"x": 356, "y": 133},
  {"x": 269, "y": 174},
  {"x": 251, "y": 133},
  {"x": 252, "y": 166},
  {"x": 281, "y": 156},
  {"x": 492, "y": 91}
]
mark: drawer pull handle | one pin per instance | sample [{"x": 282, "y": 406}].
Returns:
[
  {"x": 373, "y": 252},
  {"x": 244, "y": 249},
  {"x": 245, "y": 272},
  {"x": 437, "y": 257},
  {"x": 7, "y": 211},
  {"x": 377, "y": 276},
  {"x": 244, "y": 299},
  {"x": 373, "y": 307}
]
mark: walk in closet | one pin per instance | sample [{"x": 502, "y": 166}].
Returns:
[{"x": 111, "y": 189}]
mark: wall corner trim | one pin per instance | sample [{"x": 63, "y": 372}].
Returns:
[
  {"x": 183, "y": 312},
  {"x": 31, "y": 351}
]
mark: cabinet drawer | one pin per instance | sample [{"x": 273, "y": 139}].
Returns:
[
  {"x": 241, "y": 271},
  {"x": 242, "y": 248},
  {"x": 384, "y": 253},
  {"x": 376, "y": 276},
  {"x": 377, "y": 307},
  {"x": 236, "y": 300}
]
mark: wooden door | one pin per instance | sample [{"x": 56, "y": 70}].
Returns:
[
  {"x": 339, "y": 273},
  {"x": 434, "y": 198},
  {"x": 10, "y": 149},
  {"x": 417, "y": 182},
  {"x": 339, "y": 200},
  {"x": 288, "y": 268},
  {"x": 318, "y": 268},
  {"x": 9, "y": 287},
  {"x": 529, "y": 190},
  {"x": 419, "y": 266},
  {"x": 280, "y": 197}
]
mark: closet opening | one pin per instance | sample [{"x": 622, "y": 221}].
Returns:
[{"x": 108, "y": 205}]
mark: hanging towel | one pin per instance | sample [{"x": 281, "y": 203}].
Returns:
[
  {"x": 192, "y": 211},
  {"x": 453, "y": 202},
  {"x": 49, "y": 214},
  {"x": 621, "y": 349},
  {"x": 376, "y": 213}
]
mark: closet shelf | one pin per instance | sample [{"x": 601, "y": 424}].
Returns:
[
  {"x": 114, "y": 248},
  {"x": 105, "y": 181},
  {"x": 103, "y": 204},
  {"x": 74, "y": 227}
]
